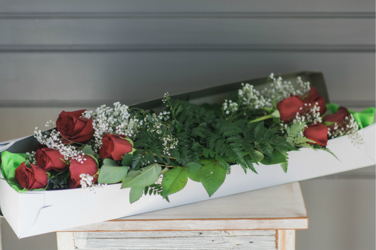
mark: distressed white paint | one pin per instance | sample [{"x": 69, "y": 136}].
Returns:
[
  {"x": 176, "y": 240},
  {"x": 65, "y": 241},
  {"x": 222, "y": 223},
  {"x": 286, "y": 239}
]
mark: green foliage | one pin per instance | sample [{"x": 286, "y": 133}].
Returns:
[
  {"x": 174, "y": 180},
  {"x": 143, "y": 177},
  {"x": 203, "y": 133},
  {"x": 112, "y": 174},
  {"x": 58, "y": 180},
  {"x": 155, "y": 189},
  {"x": 88, "y": 150},
  {"x": 302, "y": 142},
  {"x": 212, "y": 176},
  {"x": 294, "y": 131},
  {"x": 135, "y": 194},
  {"x": 193, "y": 170},
  {"x": 127, "y": 160}
]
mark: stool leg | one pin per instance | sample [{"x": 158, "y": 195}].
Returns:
[
  {"x": 65, "y": 241},
  {"x": 285, "y": 239}
]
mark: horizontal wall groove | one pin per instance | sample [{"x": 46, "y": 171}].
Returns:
[
  {"x": 361, "y": 104},
  {"x": 234, "y": 15},
  {"x": 186, "y": 48}
]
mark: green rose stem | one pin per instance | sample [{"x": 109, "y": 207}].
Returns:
[{"x": 275, "y": 114}]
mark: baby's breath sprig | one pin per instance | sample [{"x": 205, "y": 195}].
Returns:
[
  {"x": 52, "y": 139},
  {"x": 350, "y": 128},
  {"x": 169, "y": 142},
  {"x": 87, "y": 182},
  {"x": 279, "y": 89},
  {"x": 154, "y": 124},
  {"x": 229, "y": 107},
  {"x": 117, "y": 120},
  {"x": 252, "y": 99},
  {"x": 31, "y": 158}
]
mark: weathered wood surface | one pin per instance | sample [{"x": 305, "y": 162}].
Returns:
[
  {"x": 185, "y": 31},
  {"x": 261, "y": 219},
  {"x": 166, "y": 6},
  {"x": 255, "y": 239},
  {"x": 131, "y": 77},
  {"x": 285, "y": 239},
  {"x": 177, "y": 240},
  {"x": 65, "y": 241},
  {"x": 280, "y": 207}
]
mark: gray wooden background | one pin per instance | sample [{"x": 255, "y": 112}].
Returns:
[
  {"x": 88, "y": 52},
  {"x": 70, "y": 54}
]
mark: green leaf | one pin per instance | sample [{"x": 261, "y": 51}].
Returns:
[
  {"x": 269, "y": 110},
  {"x": 179, "y": 127},
  {"x": 174, "y": 180},
  {"x": 278, "y": 158},
  {"x": 293, "y": 131},
  {"x": 249, "y": 163},
  {"x": 206, "y": 152},
  {"x": 127, "y": 160},
  {"x": 112, "y": 174},
  {"x": 232, "y": 132},
  {"x": 193, "y": 169},
  {"x": 328, "y": 123},
  {"x": 88, "y": 150},
  {"x": 268, "y": 150},
  {"x": 109, "y": 162},
  {"x": 143, "y": 177},
  {"x": 259, "y": 129},
  {"x": 284, "y": 166},
  {"x": 135, "y": 194},
  {"x": 256, "y": 155},
  {"x": 212, "y": 176},
  {"x": 222, "y": 161},
  {"x": 276, "y": 114}
]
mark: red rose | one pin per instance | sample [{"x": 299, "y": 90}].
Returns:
[
  {"x": 73, "y": 127},
  {"x": 114, "y": 147},
  {"x": 338, "y": 117},
  {"x": 313, "y": 97},
  {"x": 289, "y": 107},
  {"x": 48, "y": 158},
  {"x": 77, "y": 168},
  {"x": 32, "y": 177},
  {"x": 318, "y": 133}
]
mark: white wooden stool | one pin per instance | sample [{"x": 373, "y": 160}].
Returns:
[{"x": 261, "y": 219}]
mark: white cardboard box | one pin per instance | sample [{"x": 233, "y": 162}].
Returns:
[{"x": 38, "y": 212}]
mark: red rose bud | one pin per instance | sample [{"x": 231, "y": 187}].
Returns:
[
  {"x": 289, "y": 107},
  {"x": 48, "y": 158},
  {"x": 114, "y": 147},
  {"x": 313, "y": 97},
  {"x": 318, "y": 133},
  {"x": 76, "y": 168},
  {"x": 338, "y": 117},
  {"x": 73, "y": 127},
  {"x": 32, "y": 177}
]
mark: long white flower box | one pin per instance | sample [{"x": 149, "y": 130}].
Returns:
[{"x": 38, "y": 212}]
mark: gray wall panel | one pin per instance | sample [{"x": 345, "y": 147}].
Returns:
[
  {"x": 186, "y": 31},
  {"x": 133, "y": 77},
  {"x": 185, "y": 5}
]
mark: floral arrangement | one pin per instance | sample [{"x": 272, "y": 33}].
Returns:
[{"x": 156, "y": 152}]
